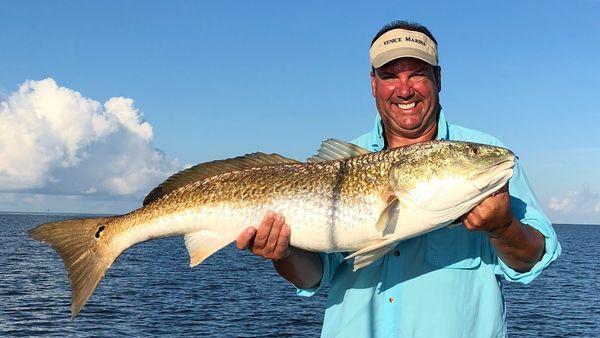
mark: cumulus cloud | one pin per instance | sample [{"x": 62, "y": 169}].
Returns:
[
  {"x": 53, "y": 140},
  {"x": 583, "y": 201}
]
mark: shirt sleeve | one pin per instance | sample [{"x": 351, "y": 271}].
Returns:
[
  {"x": 526, "y": 208},
  {"x": 330, "y": 263}
]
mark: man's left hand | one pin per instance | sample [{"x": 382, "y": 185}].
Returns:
[
  {"x": 493, "y": 215},
  {"x": 519, "y": 245}
]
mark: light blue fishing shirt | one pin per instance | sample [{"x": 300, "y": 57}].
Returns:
[{"x": 442, "y": 284}]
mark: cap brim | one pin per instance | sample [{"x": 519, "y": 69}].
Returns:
[{"x": 403, "y": 52}]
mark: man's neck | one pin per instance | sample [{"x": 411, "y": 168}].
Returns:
[{"x": 395, "y": 141}]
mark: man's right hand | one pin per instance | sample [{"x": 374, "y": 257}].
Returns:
[{"x": 271, "y": 240}]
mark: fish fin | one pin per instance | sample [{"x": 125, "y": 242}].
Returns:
[
  {"x": 86, "y": 257},
  {"x": 205, "y": 170},
  {"x": 388, "y": 217},
  {"x": 368, "y": 255},
  {"x": 333, "y": 149},
  {"x": 201, "y": 244}
]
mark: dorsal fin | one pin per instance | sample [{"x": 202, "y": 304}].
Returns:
[
  {"x": 205, "y": 170},
  {"x": 333, "y": 149}
]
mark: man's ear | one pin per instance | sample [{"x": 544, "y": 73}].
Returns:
[
  {"x": 373, "y": 81},
  {"x": 437, "y": 71}
]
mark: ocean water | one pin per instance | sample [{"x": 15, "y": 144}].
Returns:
[{"x": 151, "y": 291}]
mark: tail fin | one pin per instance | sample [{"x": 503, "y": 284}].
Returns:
[{"x": 86, "y": 256}]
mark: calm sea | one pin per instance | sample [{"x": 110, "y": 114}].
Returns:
[{"x": 151, "y": 291}]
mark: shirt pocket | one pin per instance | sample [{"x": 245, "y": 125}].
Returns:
[{"x": 454, "y": 248}]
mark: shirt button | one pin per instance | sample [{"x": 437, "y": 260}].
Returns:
[
  {"x": 391, "y": 299},
  {"x": 396, "y": 253}
]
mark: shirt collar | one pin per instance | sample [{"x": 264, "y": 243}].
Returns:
[
  {"x": 442, "y": 127},
  {"x": 377, "y": 133}
]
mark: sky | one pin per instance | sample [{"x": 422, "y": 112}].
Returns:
[{"x": 100, "y": 101}]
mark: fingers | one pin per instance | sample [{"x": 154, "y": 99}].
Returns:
[
  {"x": 471, "y": 221},
  {"x": 474, "y": 219},
  {"x": 282, "y": 249},
  {"x": 271, "y": 239},
  {"x": 264, "y": 229},
  {"x": 491, "y": 214},
  {"x": 245, "y": 238},
  {"x": 274, "y": 234},
  {"x": 466, "y": 221}
]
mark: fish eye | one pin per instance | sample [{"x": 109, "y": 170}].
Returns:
[{"x": 473, "y": 151}]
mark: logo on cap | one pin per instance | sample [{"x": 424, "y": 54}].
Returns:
[{"x": 398, "y": 43}]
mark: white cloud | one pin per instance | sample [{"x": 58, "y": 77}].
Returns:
[
  {"x": 563, "y": 204},
  {"x": 583, "y": 204},
  {"x": 53, "y": 140},
  {"x": 128, "y": 116}
]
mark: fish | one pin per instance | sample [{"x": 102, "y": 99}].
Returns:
[{"x": 343, "y": 199}]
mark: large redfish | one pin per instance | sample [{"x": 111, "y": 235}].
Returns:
[{"x": 344, "y": 199}]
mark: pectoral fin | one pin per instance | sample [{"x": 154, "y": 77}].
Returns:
[
  {"x": 389, "y": 217},
  {"x": 203, "y": 243},
  {"x": 371, "y": 253}
]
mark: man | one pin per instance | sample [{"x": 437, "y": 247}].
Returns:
[{"x": 441, "y": 284}]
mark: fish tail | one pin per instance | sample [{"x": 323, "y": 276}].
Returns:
[{"x": 85, "y": 256}]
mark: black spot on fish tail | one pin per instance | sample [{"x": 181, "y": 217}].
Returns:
[
  {"x": 100, "y": 229},
  {"x": 86, "y": 258}
]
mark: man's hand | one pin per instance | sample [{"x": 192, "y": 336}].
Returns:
[
  {"x": 493, "y": 215},
  {"x": 519, "y": 245},
  {"x": 271, "y": 240}
]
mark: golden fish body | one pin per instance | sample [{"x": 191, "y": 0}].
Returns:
[
  {"x": 344, "y": 200},
  {"x": 330, "y": 206}
]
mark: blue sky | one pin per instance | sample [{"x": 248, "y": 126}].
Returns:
[{"x": 216, "y": 80}]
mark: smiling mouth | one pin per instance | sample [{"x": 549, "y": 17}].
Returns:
[{"x": 405, "y": 106}]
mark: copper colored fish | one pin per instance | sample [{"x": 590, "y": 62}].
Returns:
[{"x": 344, "y": 199}]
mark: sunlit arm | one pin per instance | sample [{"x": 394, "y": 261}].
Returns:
[
  {"x": 301, "y": 268},
  {"x": 519, "y": 245}
]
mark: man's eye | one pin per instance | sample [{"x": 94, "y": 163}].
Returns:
[{"x": 419, "y": 76}]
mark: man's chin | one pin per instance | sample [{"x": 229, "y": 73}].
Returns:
[
  {"x": 412, "y": 130},
  {"x": 408, "y": 122}
]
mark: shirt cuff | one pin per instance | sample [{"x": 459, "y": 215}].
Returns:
[{"x": 552, "y": 251}]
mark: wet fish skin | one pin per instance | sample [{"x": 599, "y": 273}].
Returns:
[{"x": 362, "y": 204}]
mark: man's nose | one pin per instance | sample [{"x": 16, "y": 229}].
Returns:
[{"x": 404, "y": 89}]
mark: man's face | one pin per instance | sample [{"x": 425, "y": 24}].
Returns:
[{"x": 406, "y": 92}]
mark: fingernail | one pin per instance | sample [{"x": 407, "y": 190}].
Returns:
[{"x": 251, "y": 231}]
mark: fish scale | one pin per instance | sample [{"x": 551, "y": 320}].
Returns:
[{"x": 314, "y": 197}]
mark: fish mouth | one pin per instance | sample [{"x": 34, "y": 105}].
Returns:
[
  {"x": 494, "y": 177},
  {"x": 485, "y": 183}
]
